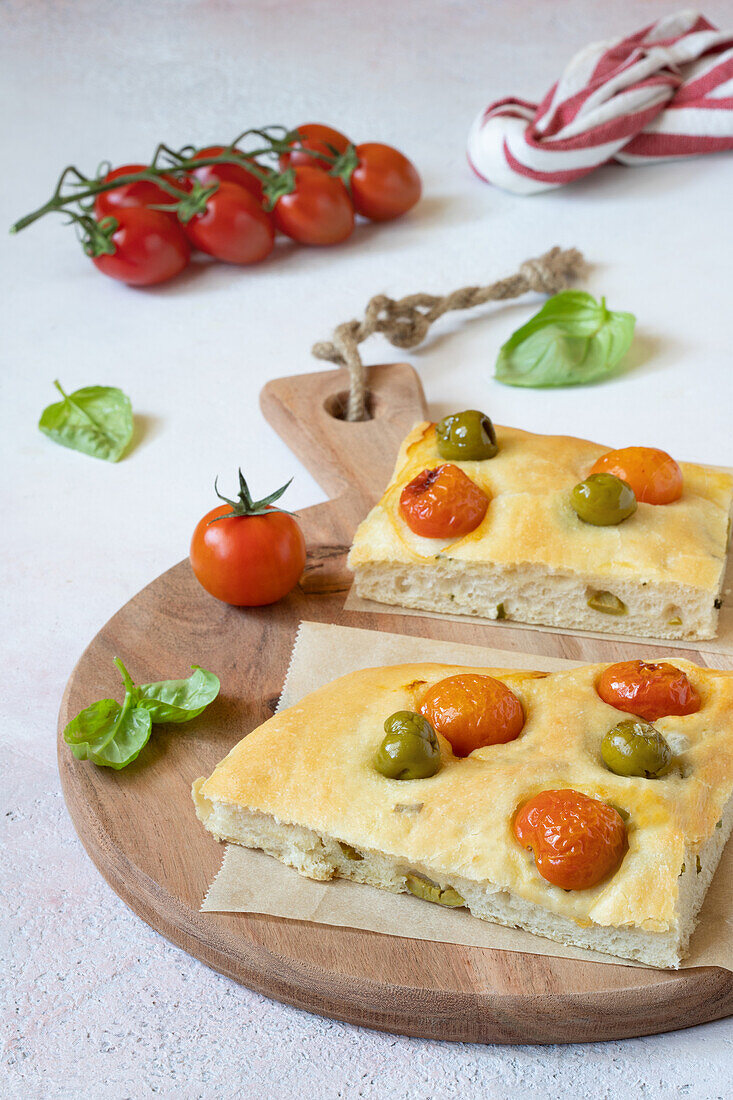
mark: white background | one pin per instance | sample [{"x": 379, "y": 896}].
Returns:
[{"x": 96, "y": 1004}]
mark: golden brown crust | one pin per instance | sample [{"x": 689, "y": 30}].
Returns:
[
  {"x": 530, "y": 519},
  {"x": 312, "y": 766}
]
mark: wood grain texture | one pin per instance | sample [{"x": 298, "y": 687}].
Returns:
[{"x": 140, "y": 830}]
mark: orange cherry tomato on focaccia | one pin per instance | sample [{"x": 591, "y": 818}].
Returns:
[
  {"x": 654, "y": 475},
  {"x": 443, "y": 503},
  {"x": 472, "y": 711},
  {"x": 249, "y": 558},
  {"x": 577, "y": 841},
  {"x": 649, "y": 691}
]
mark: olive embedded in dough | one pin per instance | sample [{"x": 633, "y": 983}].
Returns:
[
  {"x": 410, "y": 750},
  {"x": 635, "y": 748}
]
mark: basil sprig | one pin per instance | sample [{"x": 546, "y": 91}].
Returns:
[
  {"x": 572, "y": 340},
  {"x": 113, "y": 734},
  {"x": 96, "y": 420}
]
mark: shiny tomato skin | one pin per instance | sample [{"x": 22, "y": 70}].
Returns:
[
  {"x": 654, "y": 475},
  {"x": 150, "y": 248},
  {"x": 247, "y": 561},
  {"x": 472, "y": 711},
  {"x": 443, "y": 503},
  {"x": 319, "y": 210},
  {"x": 233, "y": 227},
  {"x": 577, "y": 841},
  {"x": 649, "y": 691},
  {"x": 142, "y": 193},
  {"x": 231, "y": 173},
  {"x": 384, "y": 184},
  {"x": 318, "y": 137}
]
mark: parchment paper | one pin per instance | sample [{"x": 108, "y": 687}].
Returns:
[
  {"x": 251, "y": 882},
  {"x": 722, "y": 645}
]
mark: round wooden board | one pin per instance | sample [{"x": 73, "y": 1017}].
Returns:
[{"x": 139, "y": 827}]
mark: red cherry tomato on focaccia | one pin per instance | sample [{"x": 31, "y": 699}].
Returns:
[
  {"x": 149, "y": 248},
  {"x": 233, "y": 227},
  {"x": 248, "y": 561},
  {"x": 319, "y": 210},
  {"x": 142, "y": 193},
  {"x": 319, "y": 138},
  {"x": 384, "y": 184},
  {"x": 443, "y": 503},
  {"x": 577, "y": 840},
  {"x": 231, "y": 173},
  {"x": 649, "y": 691}
]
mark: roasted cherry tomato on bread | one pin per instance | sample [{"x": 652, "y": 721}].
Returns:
[
  {"x": 231, "y": 173},
  {"x": 318, "y": 138},
  {"x": 139, "y": 194},
  {"x": 317, "y": 211},
  {"x": 246, "y": 552},
  {"x": 443, "y": 503},
  {"x": 233, "y": 227},
  {"x": 649, "y": 691},
  {"x": 472, "y": 711},
  {"x": 654, "y": 475},
  {"x": 148, "y": 248},
  {"x": 384, "y": 184},
  {"x": 577, "y": 841}
]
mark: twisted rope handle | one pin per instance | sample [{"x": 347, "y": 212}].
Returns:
[{"x": 406, "y": 322}]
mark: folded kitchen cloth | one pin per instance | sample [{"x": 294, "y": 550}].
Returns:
[{"x": 663, "y": 93}]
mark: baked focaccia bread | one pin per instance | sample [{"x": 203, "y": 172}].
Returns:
[
  {"x": 590, "y": 806},
  {"x": 547, "y": 529}
]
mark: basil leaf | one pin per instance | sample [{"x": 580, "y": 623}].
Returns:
[
  {"x": 93, "y": 722},
  {"x": 178, "y": 700},
  {"x": 131, "y": 737},
  {"x": 96, "y": 420},
  {"x": 572, "y": 340}
]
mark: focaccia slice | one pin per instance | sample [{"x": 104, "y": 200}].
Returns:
[
  {"x": 659, "y": 574},
  {"x": 303, "y": 787}
]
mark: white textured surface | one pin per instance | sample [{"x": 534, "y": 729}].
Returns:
[{"x": 94, "y": 1004}]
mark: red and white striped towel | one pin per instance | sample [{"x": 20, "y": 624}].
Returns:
[{"x": 662, "y": 93}]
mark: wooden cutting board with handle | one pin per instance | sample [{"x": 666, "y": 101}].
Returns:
[{"x": 139, "y": 827}]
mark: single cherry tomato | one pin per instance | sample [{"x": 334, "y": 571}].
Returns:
[
  {"x": 384, "y": 184},
  {"x": 233, "y": 227},
  {"x": 319, "y": 138},
  {"x": 443, "y": 503},
  {"x": 472, "y": 711},
  {"x": 142, "y": 193},
  {"x": 654, "y": 475},
  {"x": 318, "y": 211},
  {"x": 647, "y": 690},
  {"x": 252, "y": 556},
  {"x": 231, "y": 173},
  {"x": 577, "y": 841},
  {"x": 149, "y": 248}
]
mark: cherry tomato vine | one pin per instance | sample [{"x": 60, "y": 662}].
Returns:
[{"x": 138, "y": 223}]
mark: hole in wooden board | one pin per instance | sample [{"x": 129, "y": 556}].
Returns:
[{"x": 337, "y": 404}]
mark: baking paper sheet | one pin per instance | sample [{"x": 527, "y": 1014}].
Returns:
[{"x": 251, "y": 882}]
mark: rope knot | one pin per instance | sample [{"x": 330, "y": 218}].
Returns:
[
  {"x": 542, "y": 275},
  {"x": 405, "y": 323}
]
